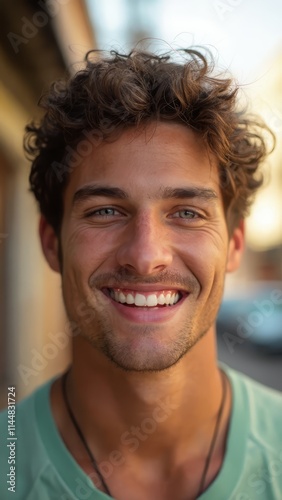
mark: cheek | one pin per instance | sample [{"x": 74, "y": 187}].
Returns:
[
  {"x": 204, "y": 255},
  {"x": 85, "y": 248}
]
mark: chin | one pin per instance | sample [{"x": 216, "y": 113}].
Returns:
[{"x": 145, "y": 352}]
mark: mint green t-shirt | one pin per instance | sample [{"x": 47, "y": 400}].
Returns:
[{"x": 251, "y": 470}]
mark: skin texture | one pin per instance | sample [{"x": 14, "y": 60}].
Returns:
[{"x": 130, "y": 361}]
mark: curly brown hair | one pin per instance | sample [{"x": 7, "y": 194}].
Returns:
[{"x": 120, "y": 91}]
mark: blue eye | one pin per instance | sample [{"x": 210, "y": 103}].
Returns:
[
  {"x": 186, "y": 214},
  {"x": 103, "y": 212}
]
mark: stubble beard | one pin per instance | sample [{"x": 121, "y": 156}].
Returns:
[
  {"x": 143, "y": 354},
  {"x": 147, "y": 348}
]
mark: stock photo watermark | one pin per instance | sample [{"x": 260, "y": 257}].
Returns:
[
  {"x": 74, "y": 156},
  {"x": 30, "y": 27},
  {"x": 130, "y": 441},
  {"x": 89, "y": 140},
  {"x": 224, "y": 7},
  {"x": 57, "y": 342},
  {"x": 274, "y": 119},
  {"x": 11, "y": 438},
  {"x": 246, "y": 326},
  {"x": 259, "y": 480}
]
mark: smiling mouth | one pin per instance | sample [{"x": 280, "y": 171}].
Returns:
[{"x": 132, "y": 298}]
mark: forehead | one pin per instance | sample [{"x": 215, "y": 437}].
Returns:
[{"x": 149, "y": 158}]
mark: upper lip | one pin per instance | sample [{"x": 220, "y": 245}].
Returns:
[{"x": 146, "y": 288}]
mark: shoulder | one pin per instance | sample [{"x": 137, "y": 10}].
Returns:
[
  {"x": 261, "y": 406},
  {"x": 24, "y": 410},
  {"x": 256, "y": 393},
  {"x": 253, "y": 462}
]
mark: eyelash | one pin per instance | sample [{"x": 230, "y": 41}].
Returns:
[
  {"x": 195, "y": 214},
  {"x": 95, "y": 213}
]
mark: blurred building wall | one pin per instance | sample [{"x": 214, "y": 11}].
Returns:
[{"x": 39, "y": 42}]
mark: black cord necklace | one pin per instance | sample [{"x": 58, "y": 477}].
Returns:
[
  {"x": 74, "y": 421},
  {"x": 93, "y": 461}
]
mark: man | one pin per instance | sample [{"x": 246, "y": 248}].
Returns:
[{"x": 144, "y": 169}]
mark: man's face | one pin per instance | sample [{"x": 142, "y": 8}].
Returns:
[{"x": 145, "y": 246}]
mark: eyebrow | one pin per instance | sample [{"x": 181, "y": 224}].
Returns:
[
  {"x": 164, "y": 193},
  {"x": 189, "y": 192},
  {"x": 91, "y": 191}
]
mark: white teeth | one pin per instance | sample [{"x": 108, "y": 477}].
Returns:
[
  {"x": 161, "y": 299},
  {"x": 152, "y": 300},
  {"x": 176, "y": 297},
  {"x": 129, "y": 298},
  {"x": 167, "y": 299},
  {"x": 141, "y": 300}
]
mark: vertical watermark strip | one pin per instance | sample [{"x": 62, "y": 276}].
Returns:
[{"x": 11, "y": 439}]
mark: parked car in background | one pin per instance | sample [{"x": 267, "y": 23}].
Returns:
[{"x": 253, "y": 314}]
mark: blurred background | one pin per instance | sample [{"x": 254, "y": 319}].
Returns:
[{"x": 43, "y": 40}]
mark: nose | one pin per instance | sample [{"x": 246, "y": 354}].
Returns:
[{"x": 145, "y": 249}]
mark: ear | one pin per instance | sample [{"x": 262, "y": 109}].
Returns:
[
  {"x": 49, "y": 244},
  {"x": 236, "y": 248}
]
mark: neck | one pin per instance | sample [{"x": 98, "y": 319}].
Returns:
[
  {"x": 176, "y": 408},
  {"x": 152, "y": 432}
]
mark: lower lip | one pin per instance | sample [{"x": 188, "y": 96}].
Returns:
[{"x": 147, "y": 314}]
